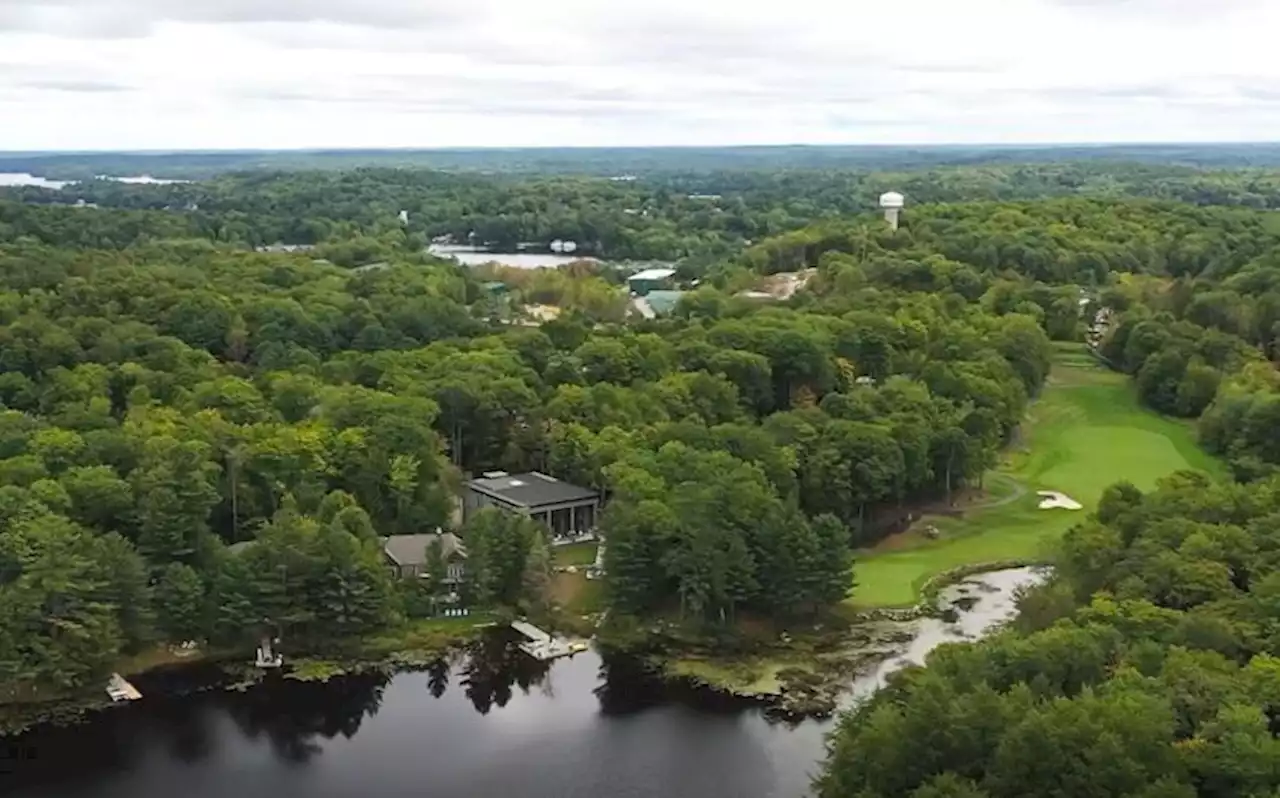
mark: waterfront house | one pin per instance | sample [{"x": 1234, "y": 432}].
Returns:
[
  {"x": 407, "y": 555},
  {"x": 568, "y": 511}
]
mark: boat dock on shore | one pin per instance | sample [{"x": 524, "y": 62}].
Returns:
[
  {"x": 542, "y": 646},
  {"x": 120, "y": 690}
]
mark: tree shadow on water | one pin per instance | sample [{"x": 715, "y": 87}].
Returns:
[
  {"x": 294, "y": 717},
  {"x": 493, "y": 666}
]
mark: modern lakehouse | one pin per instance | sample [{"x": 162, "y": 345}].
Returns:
[{"x": 569, "y": 511}]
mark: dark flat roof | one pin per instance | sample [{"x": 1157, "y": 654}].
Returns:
[{"x": 531, "y": 490}]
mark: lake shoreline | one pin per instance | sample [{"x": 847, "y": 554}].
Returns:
[
  {"x": 809, "y": 674},
  {"x": 484, "y": 713},
  {"x": 796, "y": 676},
  {"x": 415, "y": 644}
]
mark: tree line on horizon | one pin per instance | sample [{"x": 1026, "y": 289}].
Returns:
[{"x": 695, "y": 216}]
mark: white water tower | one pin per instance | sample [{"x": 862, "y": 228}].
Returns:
[{"x": 892, "y": 203}]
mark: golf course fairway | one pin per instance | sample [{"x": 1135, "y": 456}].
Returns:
[{"x": 1086, "y": 431}]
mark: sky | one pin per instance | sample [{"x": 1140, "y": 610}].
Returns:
[{"x": 228, "y": 74}]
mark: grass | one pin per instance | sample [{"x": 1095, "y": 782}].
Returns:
[
  {"x": 577, "y": 594},
  {"x": 744, "y": 678},
  {"x": 578, "y": 554},
  {"x": 1085, "y": 432},
  {"x": 427, "y": 637}
]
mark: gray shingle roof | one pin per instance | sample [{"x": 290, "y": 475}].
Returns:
[
  {"x": 532, "y": 489},
  {"x": 412, "y": 549}
]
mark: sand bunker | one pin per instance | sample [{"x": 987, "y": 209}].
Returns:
[{"x": 1053, "y": 500}]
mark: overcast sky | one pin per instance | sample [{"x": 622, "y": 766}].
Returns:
[{"x": 133, "y": 74}]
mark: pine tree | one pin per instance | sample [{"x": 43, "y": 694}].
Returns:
[
  {"x": 536, "y": 579},
  {"x": 180, "y": 603},
  {"x": 835, "y": 574}
]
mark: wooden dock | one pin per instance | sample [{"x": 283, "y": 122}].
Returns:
[
  {"x": 530, "y": 631},
  {"x": 120, "y": 690},
  {"x": 542, "y": 646}
]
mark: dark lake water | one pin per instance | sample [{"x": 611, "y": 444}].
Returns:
[{"x": 492, "y": 722}]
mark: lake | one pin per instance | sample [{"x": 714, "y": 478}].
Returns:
[
  {"x": 491, "y": 722},
  {"x": 143, "y": 180},
  {"x": 471, "y": 256},
  {"x": 25, "y": 179}
]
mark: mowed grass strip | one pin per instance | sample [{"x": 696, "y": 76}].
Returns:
[{"x": 1085, "y": 432}]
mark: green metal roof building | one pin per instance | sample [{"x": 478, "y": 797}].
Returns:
[{"x": 649, "y": 280}]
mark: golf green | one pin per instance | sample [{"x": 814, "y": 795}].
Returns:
[{"x": 1086, "y": 431}]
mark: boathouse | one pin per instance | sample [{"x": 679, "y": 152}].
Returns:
[{"x": 568, "y": 511}]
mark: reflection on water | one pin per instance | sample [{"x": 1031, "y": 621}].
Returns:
[
  {"x": 293, "y": 721},
  {"x": 493, "y": 667},
  {"x": 487, "y": 722}
]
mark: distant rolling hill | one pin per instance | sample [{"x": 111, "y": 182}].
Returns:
[{"x": 630, "y": 160}]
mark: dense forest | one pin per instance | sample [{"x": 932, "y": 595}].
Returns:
[
  {"x": 198, "y": 439},
  {"x": 165, "y": 401},
  {"x": 696, "y": 217},
  {"x": 1147, "y": 667},
  {"x": 168, "y": 397}
]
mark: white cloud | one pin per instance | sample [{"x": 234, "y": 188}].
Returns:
[{"x": 300, "y": 73}]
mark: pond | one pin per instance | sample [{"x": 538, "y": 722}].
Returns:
[{"x": 491, "y": 722}]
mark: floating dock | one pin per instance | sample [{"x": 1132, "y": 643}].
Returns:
[
  {"x": 120, "y": 690},
  {"x": 542, "y": 646}
]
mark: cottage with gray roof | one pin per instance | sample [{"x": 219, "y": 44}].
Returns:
[
  {"x": 407, "y": 554},
  {"x": 568, "y": 511}
]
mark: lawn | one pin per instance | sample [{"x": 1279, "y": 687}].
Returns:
[
  {"x": 578, "y": 554},
  {"x": 1085, "y": 432},
  {"x": 576, "y": 593}
]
